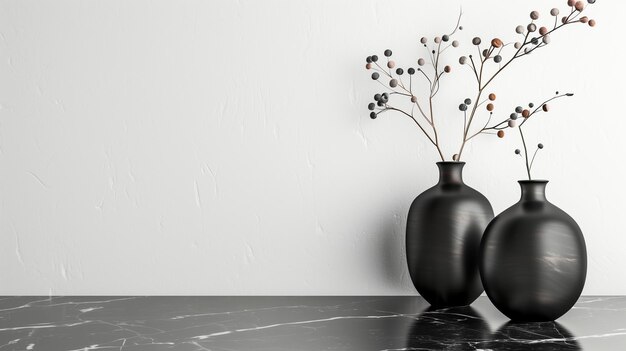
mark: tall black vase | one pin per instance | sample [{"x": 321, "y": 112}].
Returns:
[
  {"x": 533, "y": 258},
  {"x": 444, "y": 228}
]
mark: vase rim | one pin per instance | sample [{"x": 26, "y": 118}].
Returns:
[
  {"x": 533, "y": 181},
  {"x": 451, "y": 162}
]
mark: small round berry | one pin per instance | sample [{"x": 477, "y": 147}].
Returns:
[
  {"x": 517, "y": 45},
  {"x": 579, "y": 5},
  {"x": 371, "y": 106},
  {"x": 373, "y": 115},
  {"x": 447, "y": 69},
  {"x": 374, "y": 58},
  {"x": 584, "y": 19},
  {"x": 531, "y": 27},
  {"x": 518, "y": 151},
  {"x": 455, "y": 157},
  {"x": 399, "y": 71},
  {"x": 513, "y": 116},
  {"x": 540, "y": 146},
  {"x": 591, "y": 1},
  {"x": 519, "y": 109},
  {"x": 387, "y": 53},
  {"x": 554, "y": 12},
  {"x": 445, "y": 37},
  {"x": 592, "y": 23},
  {"x": 563, "y": 19},
  {"x": 368, "y": 66},
  {"x": 393, "y": 83},
  {"x": 421, "y": 62},
  {"x": 534, "y": 41},
  {"x": 543, "y": 30},
  {"x": 520, "y": 29},
  {"x": 368, "y": 59},
  {"x": 534, "y": 15},
  {"x": 546, "y": 39},
  {"x": 424, "y": 40},
  {"x": 531, "y": 105},
  {"x": 476, "y": 41},
  {"x": 386, "y": 96},
  {"x": 497, "y": 58},
  {"x": 375, "y": 75},
  {"x": 500, "y": 134},
  {"x": 512, "y": 123},
  {"x": 571, "y": 2},
  {"x": 380, "y": 103},
  {"x": 411, "y": 70},
  {"x": 377, "y": 97},
  {"x": 496, "y": 43},
  {"x": 545, "y": 108},
  {"x": 462, "y": 60},
  {"x": 455, "y": 43},
  {"x": 492, "y": 97},
  {"x": 437, "y": 40},
  {"x": 413, "y": 99},
  {"x": 485, "y": 52},
  {"x": 526, "y": 113},
  {"x": 468, "y": 101},
  {"x": 463, "y": 107},
  {"x": 490, "y": 107},
  {"x": 391, "y": 64}
]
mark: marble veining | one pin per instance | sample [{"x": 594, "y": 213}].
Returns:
[{"x": 296, "y": 323}]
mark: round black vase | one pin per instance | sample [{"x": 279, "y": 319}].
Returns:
[
  {"x": 533, "y": 258},
  {"x": 444, "y": 228}
]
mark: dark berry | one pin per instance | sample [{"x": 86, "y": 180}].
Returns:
[
  {"x": 371, "y": 106},
  {"x": 369, "y": 59},
  {"x": 373, "y": 115},
  {"x": 399, "y": 71},
  {"x": 519, "y": 109},
  {"x": 374, "y": 58},
  {"x": 463, "y": 107},
  {"x": 377, "y": 97},
  {"x": 411, "y": 70},
  {"x": 468, "y": 101},
  {"x": 375, "y": 75},
  {"x": 387, "y": 52}
]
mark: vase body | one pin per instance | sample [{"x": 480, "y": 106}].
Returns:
[
  {"x": 533, "y": 258},
  {"x": 444, "y": 228}
]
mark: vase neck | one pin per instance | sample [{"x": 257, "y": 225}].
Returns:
[
  {"x": 450, "y": 172},
  {"x": 533, "y": 190}
]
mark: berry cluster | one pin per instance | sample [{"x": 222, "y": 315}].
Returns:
[{"x": 430, "y": 70}]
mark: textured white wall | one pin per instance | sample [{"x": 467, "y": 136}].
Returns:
[{"x": 223, "y": 147}]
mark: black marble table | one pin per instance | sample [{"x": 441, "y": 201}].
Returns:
[{"x": 296, "y": 323}]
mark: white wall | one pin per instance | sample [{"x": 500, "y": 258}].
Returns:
[{"x": 224, "y": 147}]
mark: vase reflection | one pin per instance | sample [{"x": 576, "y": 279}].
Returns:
[{"x": 464, "y": 328}]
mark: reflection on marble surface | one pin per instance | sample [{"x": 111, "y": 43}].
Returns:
[{"x": 296, "y": 323}]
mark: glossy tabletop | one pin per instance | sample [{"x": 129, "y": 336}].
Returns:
[{"x": 296, "y": 323}]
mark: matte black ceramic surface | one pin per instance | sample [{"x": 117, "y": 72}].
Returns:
[
  {"x": 304, "y": 323},
  {"x": 533, "y": 258},
  {"x": 444, "y": 228}
]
